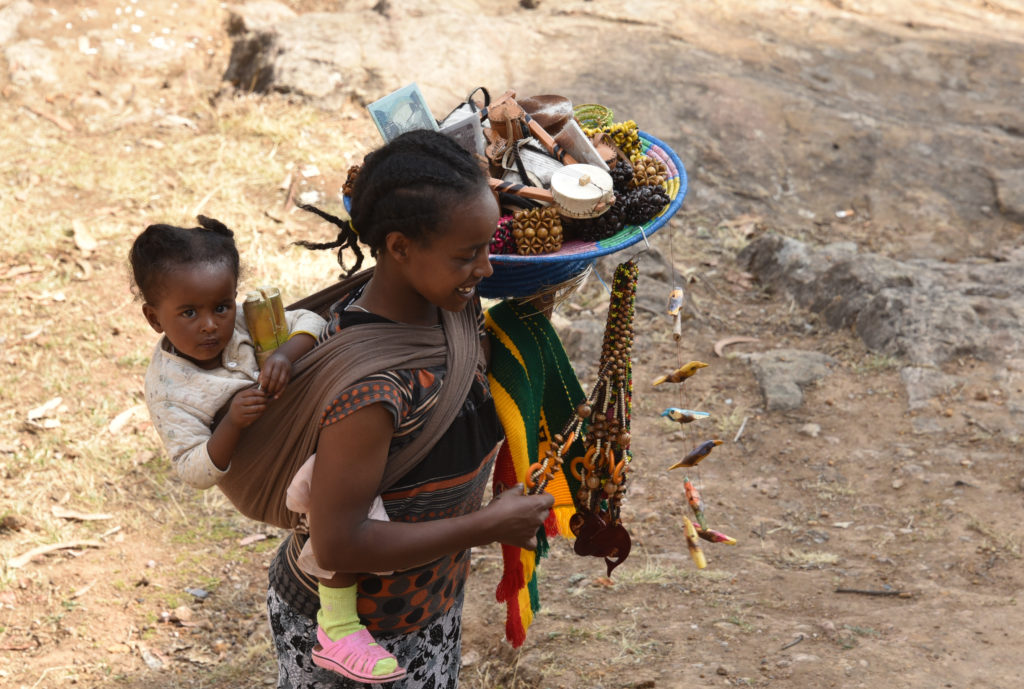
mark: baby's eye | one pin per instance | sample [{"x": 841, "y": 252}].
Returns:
[
  {"x": 189, "y": 313},
  {"x": 223, "y": 308}
]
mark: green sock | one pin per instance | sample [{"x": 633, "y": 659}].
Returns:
[{"x": 338, "y": 618}]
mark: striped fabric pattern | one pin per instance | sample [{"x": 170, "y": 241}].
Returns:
[{"x": 535, "y": 392}]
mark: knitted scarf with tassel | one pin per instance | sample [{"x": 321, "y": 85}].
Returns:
[{"x": 535, "y": 392}]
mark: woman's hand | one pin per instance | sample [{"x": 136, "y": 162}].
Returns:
[
  {"x": 517, "y": 517},
  {"x": 350, "y": 459}
]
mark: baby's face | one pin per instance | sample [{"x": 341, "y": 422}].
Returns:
[{"x": 196, "y": 311}]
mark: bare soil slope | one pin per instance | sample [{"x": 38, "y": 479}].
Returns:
[{"x": 878, "y": 546}]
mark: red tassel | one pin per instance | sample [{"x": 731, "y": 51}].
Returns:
[
  {"x": 551, "y": 524},
  {"x": 512, "y": 580},
  {"x": 504, "y": 469},
  {"x": 514, "y": 631}
]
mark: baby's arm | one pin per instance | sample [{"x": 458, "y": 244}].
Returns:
[
  {"x": 246, "y": 406},
  {"x": 305, "y": 327},
  {"x": 185, "y": 433}
]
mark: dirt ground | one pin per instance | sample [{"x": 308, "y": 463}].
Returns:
[{"x": 870, "y": 552}]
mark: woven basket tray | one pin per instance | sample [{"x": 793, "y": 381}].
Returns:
[{"x": 524, "y": 276}]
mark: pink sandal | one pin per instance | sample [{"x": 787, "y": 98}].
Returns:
[{"x": 354, "y": 656}]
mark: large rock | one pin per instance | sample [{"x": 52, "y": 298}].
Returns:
[
  {"x": 827, "y": 128},
  {"x": 924, "y": 310},
  {"x": 783, "y": 374},
  {"x": 368, "y": 50},
  {"x": 1010, "y": 192}
]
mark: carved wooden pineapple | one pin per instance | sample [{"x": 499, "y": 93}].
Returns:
[{"x": 537, "y": 231}]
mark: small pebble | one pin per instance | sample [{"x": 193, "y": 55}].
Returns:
[{"x": 811, "y": 430}]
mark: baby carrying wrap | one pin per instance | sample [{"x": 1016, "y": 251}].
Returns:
[{"x": 270, "y": 451}]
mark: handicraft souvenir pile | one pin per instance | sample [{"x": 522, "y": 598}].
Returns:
[
  {"x": 573, "y": 182},
  {"x": 605, "y": 182}
]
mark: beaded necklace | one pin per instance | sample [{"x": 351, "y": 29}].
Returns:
[{"x": 603, "y": 422}]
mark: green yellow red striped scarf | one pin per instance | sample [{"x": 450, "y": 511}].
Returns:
[{"x": 536, "y": 392}]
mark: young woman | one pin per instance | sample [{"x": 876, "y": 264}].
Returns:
[{"x": 422, "y": 206}]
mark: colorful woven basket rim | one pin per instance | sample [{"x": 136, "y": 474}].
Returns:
[{"x": 576, "y": 251}]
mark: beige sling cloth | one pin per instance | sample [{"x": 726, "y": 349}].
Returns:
[{"x": 272, "y": 449}]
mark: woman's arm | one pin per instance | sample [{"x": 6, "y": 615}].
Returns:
[{"x": 350, "y": 460}]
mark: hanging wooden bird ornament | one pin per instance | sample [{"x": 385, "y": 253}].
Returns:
[
  {"x": 680, "y": 374},
  {"x": 675, "y": 301},
  {"x": 716, "y": 536},
  {"x": 684, "y": 415},
  {"x": 693, "y": 544},
  {"x": 697, "y": 454},
  {"x": 696, "y": 503}
]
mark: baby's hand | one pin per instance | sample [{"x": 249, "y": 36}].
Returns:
[
  {"x": 276, "y": 372},
  {"x": 247, "y": 406}
]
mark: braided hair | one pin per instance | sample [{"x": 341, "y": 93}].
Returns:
[
  {"x": 409, "y": 185},
  {"x": 160, "y": 249}
]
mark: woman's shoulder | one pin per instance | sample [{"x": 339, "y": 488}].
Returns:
[{"x": 408, "y": 393}]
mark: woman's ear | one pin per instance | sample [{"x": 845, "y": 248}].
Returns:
[
  {"x": 150, "y": 313},
  {"x": 397, "y": 246}
]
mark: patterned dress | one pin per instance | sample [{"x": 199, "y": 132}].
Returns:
[{"x": 416, "y": 614}]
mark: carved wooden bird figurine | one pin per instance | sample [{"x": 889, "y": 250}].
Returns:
[
  {"x": 693, "y": 544},
  {"x": 716, "y": 536},
  {"x": 680, "y": 374},
  {"x": 696, "y": 502},
  {"x": 697, "y": 454},
  {"x": 684, "y": 415}
]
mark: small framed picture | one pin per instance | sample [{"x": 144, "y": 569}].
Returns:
[
  {"x": 463, "y": 125},
  {"x": 401, "y": 111}
]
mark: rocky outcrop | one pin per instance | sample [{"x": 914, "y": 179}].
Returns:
[
  {"x": 367, "y": 50},
  {"x": 923, "y": 310},
  {"x": 783, "y": 374}
]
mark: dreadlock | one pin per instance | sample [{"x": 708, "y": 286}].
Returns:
[
  {"x": 161, "y": 249},
  {"x": 409, "y": 185}
]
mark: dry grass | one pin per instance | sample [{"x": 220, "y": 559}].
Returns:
[{"x": 75, "y": 435}]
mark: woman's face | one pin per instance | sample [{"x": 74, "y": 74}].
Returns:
[{"x": 446, "y": 267}]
